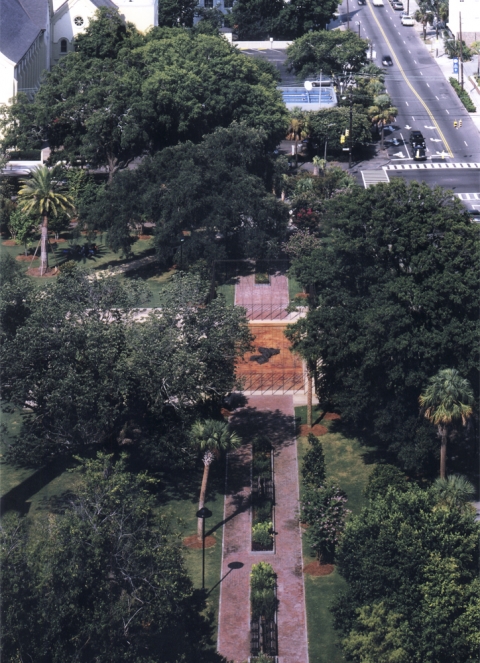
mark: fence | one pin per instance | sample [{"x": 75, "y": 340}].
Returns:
[{"x": 277, "y": 382}]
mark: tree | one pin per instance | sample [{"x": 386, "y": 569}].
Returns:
[
  {"x": 394, "y": 261},
  {"x": 44, "y": 195},
  {"x": 331, "y": 52},
  {"x": 123, "y": 103},
  {"x": 297, "y": 129},
  {"x": 455, "y": 491},
  {"x": 411, "y": 570},
  {"x": 255, "y": 19},
  {"x": 384, "y": 477},
  {"x": 106, "y": 579},
  {"x": 448, "y": 398},
  {"x": 330, "y": 124},
  {"x": 455, "y": 49},
  {"x": 300, "y": 17},
  {"x": 212, "y": 438},
  {"x": 424, "y": 16},
  {"x": 324, "y": 510},
  {"x": 70, "y": 363},
  {"x": 22, "y": 227},
  {"x": 382, "y": 113},
  {"x": 219, "y": 192},
  {"x": 313, "y": 466}
]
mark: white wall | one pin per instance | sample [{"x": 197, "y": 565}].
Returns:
[
  {"x": 64, "y": 26},
  {"x": 143, "y": 13},
  {"x": 470, "y": 10},
  {"x": 8, "y": 86}
]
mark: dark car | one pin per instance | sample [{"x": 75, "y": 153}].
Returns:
[
  {"x": 417, "y": 140},
  {"x": 419, "y": 154},
  {"x": 362, "y": 2},
  {"x": 387, "y": 61}
]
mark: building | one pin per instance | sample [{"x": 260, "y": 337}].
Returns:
[
  {"x": 468, "y": 13},
  {"x": 35, "y": 34}
]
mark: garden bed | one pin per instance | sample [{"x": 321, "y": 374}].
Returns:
[
  {"x": 262, "y": 496},
  {"x": 263, "y": 606}
]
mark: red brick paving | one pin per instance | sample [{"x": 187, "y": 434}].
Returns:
[
  {"x": 274, "y": 416},
  {"x": 264, "y": 301}
]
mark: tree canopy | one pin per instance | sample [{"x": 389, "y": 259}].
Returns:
[
  {"x": 103, "y": 580},
  {"x": 138, "y": 94},
  {"x": 411, "y": 569},
  {"x": 393, "y": 283},
  {"x": 332, "y": 52}
]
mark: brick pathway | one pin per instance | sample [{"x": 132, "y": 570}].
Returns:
[
  {"x": 266, "y": 301},
  {"x": 273, "y": 416}
]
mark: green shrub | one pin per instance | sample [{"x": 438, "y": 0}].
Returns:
[
  {"x": 263, "y": 511},
  {"x": 261, "y": 278},
  {"x": 262, "y": 534},
  {"x": 260, "y": 444},
  {"x": 382, "y": 477},
  {"x": 262, "y": 466},
  {"x": 463, "y": 96},
  {"x": 262, "y": 591},
  {"x": 313, "y": 467}
]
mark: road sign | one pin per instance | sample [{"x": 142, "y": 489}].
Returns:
[{"x": 455, "y": 65}]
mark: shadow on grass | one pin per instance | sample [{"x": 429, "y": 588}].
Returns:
[{"x": 17, "y": 498}]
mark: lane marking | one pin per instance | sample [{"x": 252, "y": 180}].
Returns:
[
  {"x": 410, "y": 52},
  {"x": 447, "y": 111},
  {"x": 465, "y": 143},
  {"x": 421, "y": 74},
  {"x": 428, "y": 85},
  {"x": 413, "y": 118},
  {"x": 434, "y": 121},
  {"x": 437, "y": 98},
  {"x": 405, "y": 145},
  {"x": 415, "y": 61},
  {"x": 406, "y": 103}
]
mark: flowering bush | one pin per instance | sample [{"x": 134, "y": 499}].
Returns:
[
  {"x": 262, "y": 534},
  {"x": 262, "y": 591},
  {"x": 313, "y": 467},
  {"x": 324, "y": 510}
]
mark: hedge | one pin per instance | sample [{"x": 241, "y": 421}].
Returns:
[{"x": 464, "y": 98}]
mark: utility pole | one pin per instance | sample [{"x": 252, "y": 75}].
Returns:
[
  {"x": 348, "y": 17},
  {"x": 350, "y": 136},
  {"x": 461, "y": 52}
]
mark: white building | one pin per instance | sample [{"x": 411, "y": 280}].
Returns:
[
  {"x": 468, "y": 11},
  {"x": 35, "y": 34}
]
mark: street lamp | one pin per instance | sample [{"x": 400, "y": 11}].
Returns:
[
  {"x": 181, "y": 253},
  {"x": 359, "y": 24},
  {"x": 203, "y": 513}
]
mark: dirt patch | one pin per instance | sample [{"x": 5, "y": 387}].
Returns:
[
  {"x": 26, "y": 258},
  {"x": 317, "y": 430},
  {"x": 331, "y": 416},
  {"x": 145, "y": 237},
  {"x": 35, "y": 271},
  {"x": 9, "y": 242},
  {"x": 195, "y": 543},
  {"x": 316, "y": 569},
  {"x": 58, "y": 241}
]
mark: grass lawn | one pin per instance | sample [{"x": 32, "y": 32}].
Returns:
[
  {"x": 344, "y": 459},
  {"x": 294, "y": 287},
  {"x": 228, "y": 291}
]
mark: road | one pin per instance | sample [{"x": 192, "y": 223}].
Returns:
[{"x": 424, "y": 98}]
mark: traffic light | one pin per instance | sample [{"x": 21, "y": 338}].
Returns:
[
  {"x": 342, "y": 138},
  {"x": 459, "y": 123},
  {"x": 455, "y": 124},
  {"x": 347, "y": 133}
]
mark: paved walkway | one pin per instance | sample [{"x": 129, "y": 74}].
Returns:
[
  {"x": 273, "y": 416},
  {"x": 266, "y": 301}
]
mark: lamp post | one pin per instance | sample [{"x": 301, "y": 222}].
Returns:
[
  {"x": 181, "y": 253},
  {"x": 203, "y": 513},
  {"x": 359, "y": 24}
]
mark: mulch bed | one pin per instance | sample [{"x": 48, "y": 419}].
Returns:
[
  {"x": 318, "y": 430},
  {"x": 145, "y": 237},
  {"x": 316, "y": 569},
  {"x": 195, "y": 543},
  {"x": 26, "y": 258},
  {"x": 9, "y": 242},
  {"x": 35, "y": 271},
  {"x": 331, "y": 416},
  {"x": 58, "y": 241}
]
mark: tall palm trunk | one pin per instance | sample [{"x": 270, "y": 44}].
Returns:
[
  {"x": 442, "y": 431},
  {"x": 207, "y": 461},
  {"x": 44, "y": 246}
]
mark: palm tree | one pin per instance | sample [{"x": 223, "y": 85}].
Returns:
[
  {"x": 447, "y": 398},
  {"x": 455, "y": 491},
  {"x": 425, "y": 17},
  {"x": 382, "y": 113},
  {"x": 212, "y": 437},
  {"x": 318, "y": 163},
  {"x": 297, "y": 128},
  {"x": 43, "y": 195}
]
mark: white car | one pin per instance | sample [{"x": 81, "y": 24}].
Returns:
[{"x": 407, "y": 20}]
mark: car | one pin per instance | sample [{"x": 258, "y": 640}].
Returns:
[
  {"x": 417, "y": 140},
  {"x": 397, "y": 5},
  {"x": 387, "y": 61},
  {"x": 419, "y": 154},
  {"x": 362, "y": 2},
  {"x": 407, "y": 20}
]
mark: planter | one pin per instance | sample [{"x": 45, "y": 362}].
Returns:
[
  {"x": 263, "y": 605},
  {"x": 263, "y": 498}
]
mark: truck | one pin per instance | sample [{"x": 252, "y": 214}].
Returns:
[{"x": 377, "y": 3}]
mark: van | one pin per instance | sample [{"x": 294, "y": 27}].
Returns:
[{"x": 378, "y": 3}]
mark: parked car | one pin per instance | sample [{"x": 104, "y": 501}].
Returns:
[
  {"x": 407, "y": 20},
  {"x": 387, "y": 61},
  {"x": 417, "y": 140},
  {"x": 362, "y": 2}
]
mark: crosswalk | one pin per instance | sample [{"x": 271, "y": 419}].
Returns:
[
  {"x": 468, "y": 197},
  {"x": 371, "y": 177},
  {"x": 431, "y": 166}
]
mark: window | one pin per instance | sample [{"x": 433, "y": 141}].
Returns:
[
  {"x": 78, "y": 20},
  {"x": 63, "y": 45},
  {"x": 228, "y": 4},
  {"x": 208, "y": 4}
]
